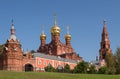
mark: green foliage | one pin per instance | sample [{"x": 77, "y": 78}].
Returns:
[
  {"x": 110, "y": 62},
  {"x": 1, "y": 48},
  {"x": 92, "y": 69},
  {"x": 117, "y": 57},
  {"x": 81, "y": 67},
  {"x": 103, "y": 70},
  {"x": 67, "y": 68},
  {"x": 50, "y": 68},
  {"x": 32, "y": 51}
]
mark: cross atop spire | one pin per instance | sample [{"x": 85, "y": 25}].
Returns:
[
  {"x": 104, "y": 22},
  {"x": 55, "y": 22},
  {"x": 12, "y": 28},
  {"x": 12, "y": 24},
  {"x": 42, "y": 29},
  {"x": 67, "y": 29}
]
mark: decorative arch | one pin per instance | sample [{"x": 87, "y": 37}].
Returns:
[{"x": 28, "y": 67}]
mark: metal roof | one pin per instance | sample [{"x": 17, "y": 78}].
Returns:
[{"x": 41, "y": 55}]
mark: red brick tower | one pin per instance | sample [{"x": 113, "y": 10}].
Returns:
[
  {"x": 43, "y": 41},
  {"x": 55, "y": 31},
  {"x": 105, "y": 43},
  {"x": 55, "y": 42},
  {"x": 55, "y": 46},
  {"x": 68, "y": 38},
  {"x": 12, "y": 53},
  {"x": 68, "y": 41}
]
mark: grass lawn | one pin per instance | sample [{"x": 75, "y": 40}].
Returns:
[{"x": 51, "y": 75}]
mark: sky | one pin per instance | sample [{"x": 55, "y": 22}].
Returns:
[{"x": 84, "y": 18}]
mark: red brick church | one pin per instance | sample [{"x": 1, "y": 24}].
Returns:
[
  {"x": 56, "y": 47},
  {"x": 55, "y": 53}
]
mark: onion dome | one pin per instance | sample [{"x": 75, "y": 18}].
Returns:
[
  {"x": 12, "y": 37},
  {"x": 42, "y": 36},
  {"x": 67, "y": 36},
  {"x": 55, "y": 29}
]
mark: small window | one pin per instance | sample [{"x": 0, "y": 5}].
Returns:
[
  {"x": 39, "y": 61},
  {"x": 44, "y": 62},
  {"x": 103, "y": 45}
]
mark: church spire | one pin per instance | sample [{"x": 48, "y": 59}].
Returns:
[
  {"x": 105, "y": 43},
  {"x": 68, "y": 37},
  {"x": 104, "y": 27},
  {"x": 105, "y": 33},
  {"x": 12, "y": 36},
  {"x": 12, "y": 28}
]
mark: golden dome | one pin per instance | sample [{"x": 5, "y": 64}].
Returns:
[
  {"x": 68, "y": 36},
  {"x": 55, "y": 29},
  {"x": 42, "y": 36}
]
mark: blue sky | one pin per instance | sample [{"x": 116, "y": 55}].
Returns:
[{"x": 84, "y": 17}]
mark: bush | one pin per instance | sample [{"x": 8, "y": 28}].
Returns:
[
  {"x": 92, "y": 69},
  {"x": 103, "y": 70}
]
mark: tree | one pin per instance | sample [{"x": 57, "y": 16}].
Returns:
[
  {"x": 92, "y": 69},
  {"x": 117, "y": 58},
  {"x": 67, "y": 68},
  {"x": 110, "y": 62},
  {"x": 32, "y": 51},
  {"x": 49, "y": 68},
  {"x": 81, "y": 67}
]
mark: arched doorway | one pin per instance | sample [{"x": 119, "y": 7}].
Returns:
[{"x": 28, "y": 67}]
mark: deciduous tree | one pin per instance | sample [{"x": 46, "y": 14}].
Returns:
[
  {"x": 110, "y": 63},
  {"x": 117, "y": 58},
  {"x": 81, "y": 67},
  {"x": 67, "y": 68}
]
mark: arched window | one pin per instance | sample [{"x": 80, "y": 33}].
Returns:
[
  {"x": 39, "y": 62},
  {"x": 44, "y": 62}
]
